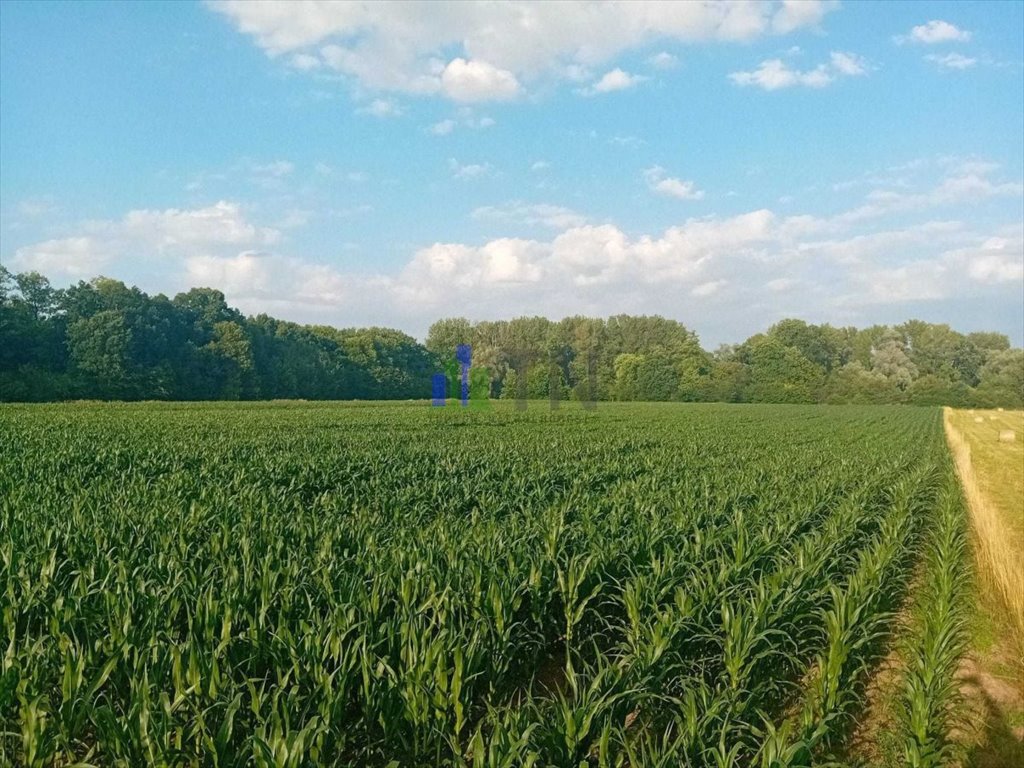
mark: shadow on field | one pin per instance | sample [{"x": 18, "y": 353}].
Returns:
[{"x": 999, "y": 743}]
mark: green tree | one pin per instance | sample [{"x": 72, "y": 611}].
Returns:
[
  {"x": 1001, "y": 382},
  {"x": 36, "y": 292},
  {"x": 100, "y": 347},
  {"x": 891, "y": 360},
  {"x": 853, "y": 383},
  {"x": 779, "y": 374}
]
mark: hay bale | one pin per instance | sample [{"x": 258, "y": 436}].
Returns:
[
  {"x": 1007, "y": 436},
  {"x": 978, "y": 419},
  {"x": 991, "y": 418}
]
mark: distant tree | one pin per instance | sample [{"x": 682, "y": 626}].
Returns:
[
  {"x": 7, "y": 285},
  {"x": 779, "y": 374},
  {"x": 932, "y": 389},
  {"x": 989, "y": 341},
  {"x": 1001, "y": 382},
  {"x": 820, "y": 344},
  {"x": 105, "y": 339},
  {"x": 100, "y": 347},
  {"x": 36, "y": 292},
  {"x": 853, "y": 383},
  {"x": 891, "y": 360},
  {"x": 446, "y": 334},
  {"x": 230, "y": 354}
]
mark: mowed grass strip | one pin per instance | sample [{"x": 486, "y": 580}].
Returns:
[{"x": 991, "y": 471}]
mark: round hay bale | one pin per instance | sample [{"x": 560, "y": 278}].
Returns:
[
  {"x": 978, "y": 419},
  {"x": 1007, "y": 436}
]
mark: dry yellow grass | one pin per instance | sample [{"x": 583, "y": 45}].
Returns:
[{"x": 992, "y": 475}]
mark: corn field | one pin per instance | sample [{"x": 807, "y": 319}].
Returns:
[{"x": 393, "y": 585}]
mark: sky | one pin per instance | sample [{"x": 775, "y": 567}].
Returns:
[{"x": 351, "y": 164}]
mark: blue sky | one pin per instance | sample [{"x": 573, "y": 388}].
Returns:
[{"x": 724, "y": 164}]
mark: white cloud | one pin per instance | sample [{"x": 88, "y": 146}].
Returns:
[
  {"x": 443, "y": 127},
  {"x": 474, "y": 81},
  {"x": 952, "y": 61},
  {"x": 663, "y": 61},
  {"x": 983, "y": 265},
  {"x": 745, "y": 266},
  {"x": 631, "y": 142},
  {"x": 615, "y": 80},
  {"x": 220, "y": 224},
  {"x": 780, "y": 284},
  {"x": 774, "y": 74},
  {"x": 294, "y": 218},
  {"x": 305, "y": 62},
  {"x": 533, "y": 214},
  {"x": 496, "y": 47},
  {"x": 935, "y": 31},
  {"x": 708, "y": 288},
  {"x": 466, "y": 118},
  {"x": 143, "y": 234},
  {"x": 540, "y": 165},
  {"x": 381, "y": 108},
  {"x": 659, "y": 182},
  {"x": 259, "y": 281},
  {"x": 276, "y": 169},
  {"x": 34, "y": 207},
  {"x": 849, "y": 63},
  {"x": 469, "y": 170},
  {"x": 795, "y": 14},
  {"x": 65, "y": 257}
]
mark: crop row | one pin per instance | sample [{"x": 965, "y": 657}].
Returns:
[{"x": 396, "y": 585}]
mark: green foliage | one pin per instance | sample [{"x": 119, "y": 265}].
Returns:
[
  {"x": 381, "y": 585},
  {"x": 99, "y": 347},
  {"x": 196, "y": 347},
  {"x": 779, "y": 374}
]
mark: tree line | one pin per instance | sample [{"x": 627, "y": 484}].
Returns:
[{"x": 102, "y": 339}]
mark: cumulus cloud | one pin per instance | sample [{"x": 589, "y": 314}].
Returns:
[
  {"x": 745, "y": 266},
  {"x": 848, "y": 63},
  {"x": 260, "y": 280},
  {"x": 774, "y": 74},
  {"x": 469, "y": 170},
  {"x": 795, "y": 14},
  {"x": 145, "y": 233},
  {"x": 64, "y": 257},
  {"x": 981, "y": 265},
  {"x": 473, "y": 81},
  {"x": 465, "y": 118},
  {"x": 935, "y": 31},
  {"x": 615, "y": 80},
  {"x": 381, "y": 108},
  {"x": 709, "y": 288},
  {"x": 304, "y": 62},
  {"x": 955, "y": 61},
  {"x": 658, "y": 181},
  {"x": 443, "y": 127},
  {"x": 473, "y": 52},
  {"x": 663, "y": 61}
]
